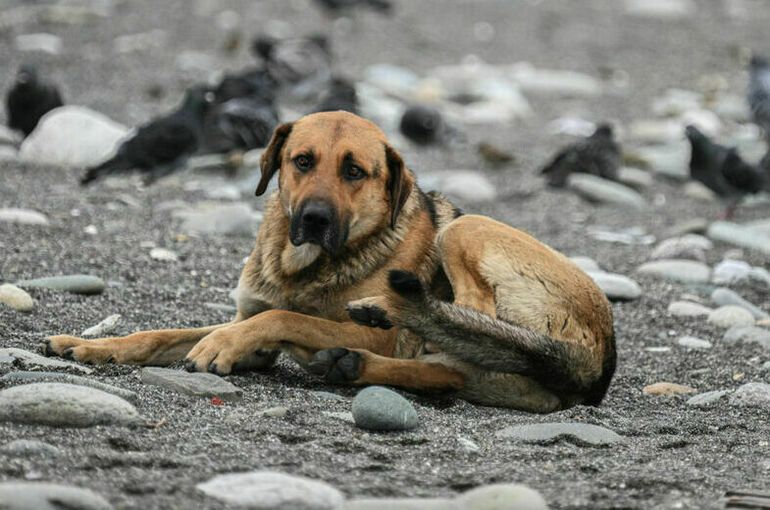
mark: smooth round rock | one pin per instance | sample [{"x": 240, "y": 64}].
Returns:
[
  {"x": 729, "y": 316},
  {"x": 26, "y": 377},
  {"x": 48, "y": 496},
  {"x": 22, "y": 216},
  {"x": 753, "y": 394},
  {"x": 688, "y": 309},
  {"x": 378, "y": 408},
  {"x": 616, "y": 286},
  {"x": 731, "y": 271},
  {"x": 75, "y": 283},
  {"x": 747, "y": 334},
  {"x": 502, "y": 496},
  {"x": 692, "y": 342},
  {"x": 723, "y": 297},
  {"x": 64, "y": 405},
  {"x": 691, "y": 246},
  {"x": 269, "y": 490},
  {"x": 604, "y": 191},
  {"x": 667, "y": 389},
  {"x": 677, "y": 270},
  {"x": 584, "y": 434},
  {"x": 707, "y": 399},
  {"x": 29, "y": 448},
  {"x": 16, "y": 298}
]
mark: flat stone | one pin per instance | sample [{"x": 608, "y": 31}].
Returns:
[
  {"x": 669, "y": 160},
  {"x": 198, "y": 384},
  {"x": 49, "y": 496},
  {"x": 402, "y": 504},
  {"x": 555, "y": 82},
  {"x": 635, "y": 178},
  {"x": 723, "y": 297},
  {"x": 586, "y": 264},
  {"x": 22, "y": 216},
  {"x": 232, "y": 218},
  {"x": 691, "y": 246},
  {"x": 268, "y": 490},
  {"x": 468, "y": 444},
  {"x": 753, "y": 394},
  {"x": 26, "y": 377},
  {"x": 604, "y": 191},
  {"x": 698, "y": 191},
  {"x": 616, "y": 286},
  {"x": 691, "y": 226},
  {"x": 26, "y": 448},
  {"x": 502, "y": 496},
  {"x": 466, "y": 185},
  {"x": 747, "y": 334},
  {"x": 378, "y": 408},
  {"x": 667, "y": 389},
  {"x": 692, "y": 342},
  {"x": 75, "y": 283},
  {"x": 583, "y": 434},
  {"x": 164, "y": 255},
  {"x": 72, "y": 136},
  {"x": 104, "y": 328},
  {"x": 739, "y": 235},
  {"x": 729, "y": 316},
  {"x": 660, "y": 9},
  {"x": 327, "y": 395},
  {"x": 64, "y": 405},
  {"x": 677, "y": 270},
  {"x": 16, "y": 298},
  {"x": 731, "y": 271},
  {"x": 29, "y": 359},
  {"x": 708, "y": 398},
  {"x": 655, "y": 131},
  {"x": 42, "y": 42},
  {"x": 688, "y": 309}
]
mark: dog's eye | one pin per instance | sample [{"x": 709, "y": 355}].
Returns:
[
  {"x": 354, "y": 172},
  {"x": 303, "y": 162}
]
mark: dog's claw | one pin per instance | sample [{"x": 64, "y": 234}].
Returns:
[
  {"x": 336, "y": 365},
  {"x": 67, "y": 354},
  {"x": 46, "y": 349},
  {"x": 190, "y": 366}
]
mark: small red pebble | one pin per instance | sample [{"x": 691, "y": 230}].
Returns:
[{"x": 216, "y": 401}]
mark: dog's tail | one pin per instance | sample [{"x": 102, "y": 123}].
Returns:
[{"x": 496, "y": 345}]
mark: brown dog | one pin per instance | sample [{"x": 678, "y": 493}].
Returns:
[{"x": 364, "y": 279}]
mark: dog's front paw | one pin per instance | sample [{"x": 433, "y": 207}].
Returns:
[
  {"x": 371, "y": 312},
  {"x": 77, "y": 349},
  {"x": 337, "y": 365}
]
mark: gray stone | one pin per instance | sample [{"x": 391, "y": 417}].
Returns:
[
  {"x": 8, "y": 152},
  {"x": 691, "y": 246},
  {"x": 8, "y": 136},
  {"x": 30, "y": 360},
  {"x": 729, "y": 316},
  {"x": 16, "y": 298},
  {"x": 72, "y": 136},
  {"x": 502, "y": 496},
  {"x": 25, "y": 377},
  {"x": 723, "y": 297},
  {"x": 268, "y": 490},
  {"x": 22, "y": 216},
  {"x": 345, "y": 416},
  {"x": 64, "y": 405},
  {"x": 466, "y": 185},
  {"x": 379, "y": 408},
  {"x": 698, "y": 191},
  {"x": 163, "y": 255},
  {"x": 604, "y": 191},
  {"x": 688, "y": 309},
  {"x": 49, "y": 496},
  {"x": 233, "y": 218},
  {"x": 104, "y": 328},
  {"x": 587, "y": 264},
  {"x": 583, "y": 434},
  {"x": 670, "y": 160},
  {"x": 222, "y": 307},
  {"x": 655, "y": 131},
  {"x": 616, "y": 286},
  {"x": 739, "y": 235},
  {"x": 753, "y": 394},
  {"x": 75, "y": 283},
  {"x": 731, "y": 271},
  {"x": 691, "y": 342},
  {"x": 677, "y": 270},
  {"x": 708, "y": 398},
  {"x": 554, "y": 82},
  {"x": 635, "y": 178},
  {"x": 468, "y": 444},
  {"x": 747, "y": 334},
  {"x": 692, "y": 226},
  {"x": 660, "y": 9},
  {"x": 26, "y": 448},
  {"x": 198, "y": 384},
  {"x": 766, "y": 366},
  {"x": 402, "y": 504},
  {"x": 42, "y": 42}
]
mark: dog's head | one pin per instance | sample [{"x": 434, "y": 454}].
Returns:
[{"x": 339, "y": 179}]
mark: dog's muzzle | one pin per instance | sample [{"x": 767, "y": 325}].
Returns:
[{"x": 317, "y": 222}]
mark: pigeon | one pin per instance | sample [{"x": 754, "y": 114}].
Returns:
[
  {"x": 759, "y": 93},
  {"x": 302, "y": 64},
  {"x": 422, "y": 124},
  {"x": 161, "y": 146},
  {"x": 239, "y": 124},
  {"x": 341, "y": 95},
  {"x": 722, "y": 170},
  {"x": 29, "y": 99},
  {"x": 338, "y": 7},
  {"x": 598, "y": 154},
  {"x": 252, "y": 83}
]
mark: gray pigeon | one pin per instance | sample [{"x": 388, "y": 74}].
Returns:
[
  {"x": 29, "y": 99},
  {"x": 758, "y": 95},
  {"x": 598, "y": 154},
  {"x": 302, "y": 65}
]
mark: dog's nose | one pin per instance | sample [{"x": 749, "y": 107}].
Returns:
[{"x": 317, "y": 216}]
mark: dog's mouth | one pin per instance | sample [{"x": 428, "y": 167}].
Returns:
[{"x": 318, "y": 223}]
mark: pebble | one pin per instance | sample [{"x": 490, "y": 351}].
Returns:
[
  {"x": 670, "y": 160},
  {"x": 583, "y": 434},
  {"x": 29, "y": 359},
  {"x": 22, "y": 216},
  {"x": 739, "y": 235},
  {"x": 64, "y": 405},
  {"x": 729, "y": 316},
  {"x": 9, "y": 136},
  {"x": 731, "y": 271},
  {"x": 143, "y": 41},
  {"x": 604, "y": 191},
  {"x": 688, "y": 309},
  {"x": 268, "y": 490},
  {"x": 753, "y": 394},
  {"x": 616, "y": 286},
  {"x": 8, "y": 152},
  {"x": 72, "y": 136},
  {"x": 16, "y": 298},
  {"x": 26, "y": 448},
  {"x": 660, "y": 9},
  {"x": 26, "y": 377},
  {"x": 232, "y": 218},
  {"x": 587, "y": 264},
  {"x": 466, "y": 185},
  {"x": 468, "y": 444},
  {"x": 708, "y": 398},
  {"x": 674, "y": 102},
  {"x": 397, "y": 81},
  {"x": 554, "y": 82},
  {"x": 667, "y": 389},
  {"x": 766, "y": 366},
  {"x": 691, "y": 226},
  {"x": 378, "y": 408},
  {"x": 699, "y": 191},
  {"x": 75, "y": 283},
  {"x": 327, "y": 395},
  {"x": 42, "y": 42},
  {"x": 655, "y": 131},
  {"x": 747, "y": 334},
  {"x": 196, "y": 384},
  {"x": 104, "y": 328},
  {"x": 690, "y": 246},
  {"x": 723, "y": 297},
  {"x": 49, "y": 496},
  {"x": 502, "y": 496},
  {"x": 402, "y": 504},
  {"x": 677, "y": 270},
  {"x": 692, "y": 342},
  {"x": 164, "y": 255},
  {"x": 274, "y": 412},
  {"x": 635, "y": 178}
]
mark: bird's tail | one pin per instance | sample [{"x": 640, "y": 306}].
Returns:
[{"x": 114, "y": 165}]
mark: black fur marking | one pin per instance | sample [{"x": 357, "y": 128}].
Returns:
[
  {"x": 371, "y": 316},
  {"x": 430, "y": 205},
  {"x": 457, "y": 212},
  {"x": 599, "y": 389},
  {"x": 336, "y": 365},
  {"x": 67, "y": 354},
  {"x": 406, "y": 284}
]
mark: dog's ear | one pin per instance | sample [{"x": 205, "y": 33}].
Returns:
[
  {"x": 400, "y": 183},
  {"x": 270, "y": 162}
]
